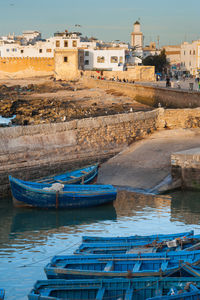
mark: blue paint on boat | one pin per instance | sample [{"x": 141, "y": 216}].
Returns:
[
  {"x": 179, "y": 243},
  {"x": 134, "y": 238},
  {"x": 2, "y": 294},
  {"x": 104, "y": 289},
  {"x": 192, "y": 293},
  {"x": 79, "y": 176},
  {"x": 26, "y": 193},
  {"x": 129, "y": 265}
]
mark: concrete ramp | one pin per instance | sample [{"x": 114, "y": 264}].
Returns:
[{"x": 146, "y": 163}]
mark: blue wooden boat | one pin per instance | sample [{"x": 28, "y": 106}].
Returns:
[
  {"x": 180, "y": 243},
  {"x": 45, "y": 195},
  {"x": 2, "y": 294},
  {"x": 79, "y": 176},
  {"x": 135, "y": 238},
  {"x": 190, "y": 292},
  {"x": 129, "y": 265},
  {"x": 104, "y": 289}
]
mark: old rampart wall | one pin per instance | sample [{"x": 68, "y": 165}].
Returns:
[
  {"x": 134, "y": 73},
  {"x": 167, "y": 97},
  {"x": 30, "y": 152},
  {"x": 16, "y": 67}
]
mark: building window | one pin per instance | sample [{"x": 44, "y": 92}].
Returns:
[
  {"x": 184, "y": 52},
  {"x": 190, "y": 52},
  {"x": 190, "y": 63},
  {"x": 22, "y": 51},
  {"x": 57, "y": 43},
  {"x": 65, "y": 59},
  {"x": 86, "y": 53},
  {"x": 193, "y": 52},
  {"x": 100, "y": 59},
  {"x": 7, "y": 50},
  {"x": 48, "y": 50},
  {"x": 40, "y": 50},
  {"x": 87, "y": 62},
  {"x": 74, "y": 43},
  {"x": 114, "y": 59},
  {"x": 81, "y": 59},
  {"x": 65, "y": 43}
]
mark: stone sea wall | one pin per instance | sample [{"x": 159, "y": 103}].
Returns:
[
  {"x": 186, "y": 168},
  {"x": 149, "y": 95},
  {"x": 31, "y": 152}
]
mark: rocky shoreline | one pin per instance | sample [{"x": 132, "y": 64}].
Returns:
[{"x": 58, "y": 101}]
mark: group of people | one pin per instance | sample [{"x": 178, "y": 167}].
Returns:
[{"x": 122, "y": 80}]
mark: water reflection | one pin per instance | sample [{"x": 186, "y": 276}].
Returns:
[
  {"x": 31, "y": 237},
  {"x": 129, "y": 203},
  {"x": 34, "y": 219},
  {"x": 185, "y": 207}
]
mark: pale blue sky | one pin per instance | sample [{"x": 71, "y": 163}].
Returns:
[{"x": 173, "y": 21}]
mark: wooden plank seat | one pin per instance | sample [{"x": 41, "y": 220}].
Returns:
[
  {"x": 109, "y": 266},
  {"x": 100, "y": 293},
  {"x": 129, "y": 294}
]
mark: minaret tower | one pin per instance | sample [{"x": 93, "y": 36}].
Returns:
[{"x": 137, "y": 37}]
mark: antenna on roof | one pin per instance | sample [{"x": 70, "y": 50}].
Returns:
[{"x": 158, "y": 41}]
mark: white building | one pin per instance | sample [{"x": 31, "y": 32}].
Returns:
[
  {"x": 40, "y": 49},
  {"x": 34, "y": 47},
  {"x": 104, "y": 59},
  {"x": 65, "y": 40},
  {"x": 31, "y": 36},
  {"x": 190, "y": 57}
]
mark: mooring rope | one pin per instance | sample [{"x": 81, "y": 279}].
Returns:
[{"x": 48, "y": 257}]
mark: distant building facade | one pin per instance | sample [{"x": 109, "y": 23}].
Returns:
[
  {"x": 108, "y": 59},
  {"x": 190, "y": 57},
  {"x": 30, "y": 44},
  {"x": 150, "y": 50}
]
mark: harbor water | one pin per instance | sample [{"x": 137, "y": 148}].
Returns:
[{"x": 30, "y": 237}]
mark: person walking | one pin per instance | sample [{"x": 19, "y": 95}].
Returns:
[{"x": 168, "y": 84}]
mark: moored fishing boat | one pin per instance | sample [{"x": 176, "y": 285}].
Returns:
[
  {"x": 180, "y": 243},
  {"x": 135, "y": 238},
  {"x": 83, "y": 176},
  {"x": 129, "y": 265},
  {"x": 44, "y": 195},
  {"x": 104, "y": 289}
]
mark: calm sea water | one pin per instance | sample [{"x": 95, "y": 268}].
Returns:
[{"x": 29, "y": 237}]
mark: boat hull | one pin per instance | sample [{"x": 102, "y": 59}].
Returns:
[
  {"x": 2, "y": 294},
  {"x": 104, "y": 289},
  {"x": 179, "y": 243},
  {"x": 135, "y": 238},
  {"x": 72, "y": 196},
  {"x": 125, "y": 266},
  {"x": 81, "y": 176}
]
